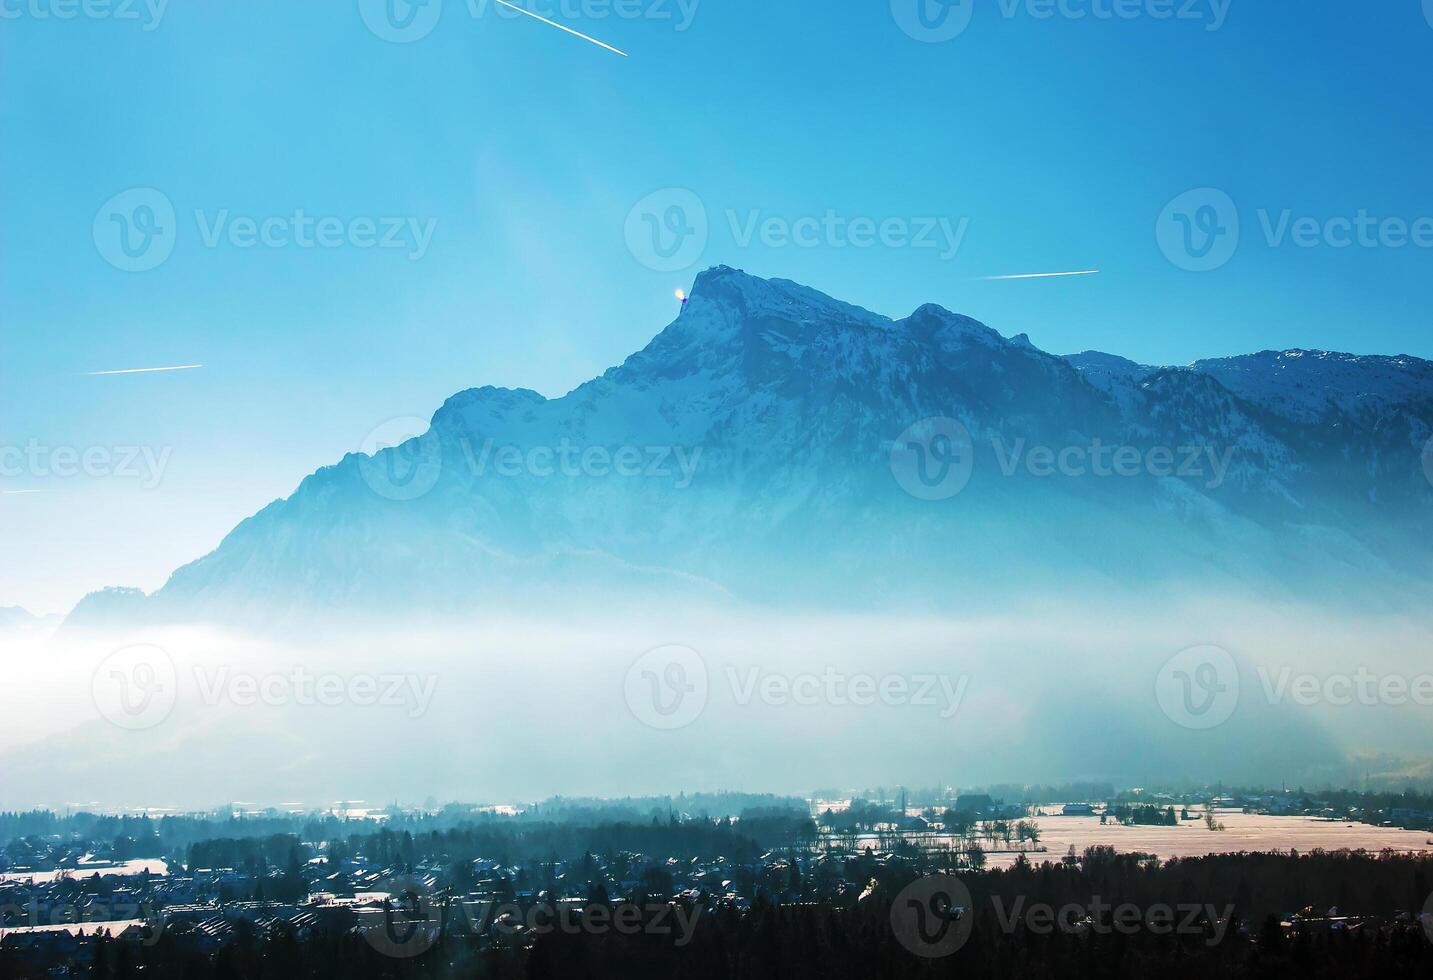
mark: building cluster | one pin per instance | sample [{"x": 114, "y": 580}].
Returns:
[{"x": 49, "y": 921}]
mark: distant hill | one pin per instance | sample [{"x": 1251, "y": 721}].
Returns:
[
  {"x": 12, "y": 617},
  {"x": 15, "y": 619}
]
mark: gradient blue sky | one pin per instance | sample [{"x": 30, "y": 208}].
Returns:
[{"x": 1060, "y": 140}]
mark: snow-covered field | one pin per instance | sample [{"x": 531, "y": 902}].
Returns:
[{"x": 1242, "y": 832}]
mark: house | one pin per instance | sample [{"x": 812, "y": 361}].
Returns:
[{"x": 975, "y": 804}]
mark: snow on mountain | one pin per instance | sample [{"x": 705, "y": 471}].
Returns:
[
  {"x": 747, "y": 450},
  {"x": 1104, "y": 371},
  {"x": 1116, "y": 376},
  {"x": 1312, "y": 385}
]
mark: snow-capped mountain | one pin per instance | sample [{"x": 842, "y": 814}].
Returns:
[
  {"x": 1312, "y": 386},
  {"x": 775, "y": 443}
]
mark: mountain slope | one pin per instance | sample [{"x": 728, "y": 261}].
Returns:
[
  {"x": 762, "y": 444},
  {"x": 1311, "y": 386}
]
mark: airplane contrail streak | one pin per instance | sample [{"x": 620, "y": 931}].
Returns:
[
  {"x": 1043, "y": 275},
  {"x": 560, "y": 27},
  {"x": 177, "y": 367}
]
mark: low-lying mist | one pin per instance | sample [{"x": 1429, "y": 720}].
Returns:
[{"x": 636, "y": 701}]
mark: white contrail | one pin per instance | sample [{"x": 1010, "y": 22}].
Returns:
[
  {"x": 177, "y": 367},
  {"x": 9, "y": 492},
  {"x": 560, "y": 27},
  {"x": 1043, "y": 275}
]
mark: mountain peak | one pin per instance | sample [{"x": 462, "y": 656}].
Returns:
[
  {"x": 746, "y": 295},
  {"x": 1099, "y": 360},
  {"x": 934, "y": 322},
  {"x": 480, "y": 408}
]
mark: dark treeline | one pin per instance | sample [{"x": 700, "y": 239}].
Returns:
[
  {"x": 1143, "y": 815},
  {"x": 246, "y": 853},
  {"x": 1343, "y": 799},
  {"x": 1100, "y": 791},
  {"x": 854, "y": 939},
  {"x": 279, "y": 954},
  {"x": 165, "y": 836},
  {"x": 506, "y": 842},
  {"x": 831, "y": 944},
  {"x": 1239, "y": 934},
  {"x": 1409, "y": 798},
  {"x": 567, "y": 809},
  {"x": 1045, "y": 795},
  {"x": 738, "y": 841},
  {"x": 1257, "y": 885},
  {"x": 939, "y": 797},
  {"x": 790, "y": 943},
  {"x": 158, "y": 837}
]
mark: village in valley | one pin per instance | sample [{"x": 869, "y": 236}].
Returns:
[{"x": 499, "y": 879}]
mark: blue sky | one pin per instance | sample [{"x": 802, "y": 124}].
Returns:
[{"x": 512, "y": 155}]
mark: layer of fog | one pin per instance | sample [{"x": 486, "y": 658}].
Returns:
[{"x": 503, "y": 711}]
